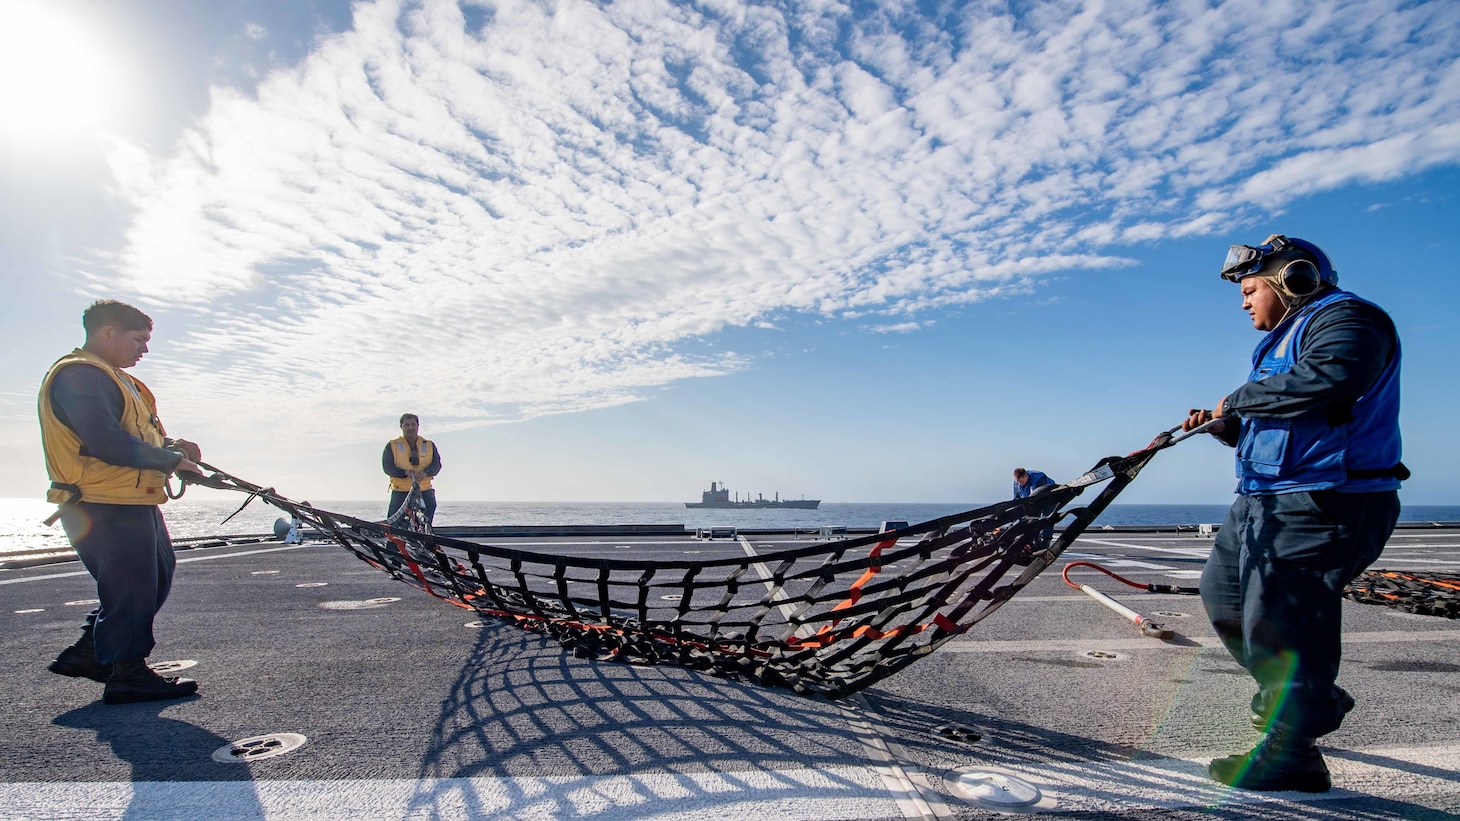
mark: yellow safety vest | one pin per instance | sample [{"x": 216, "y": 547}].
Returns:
[
  {"x": 425, "y": 452},
  {"x": 100, "y": 481}
]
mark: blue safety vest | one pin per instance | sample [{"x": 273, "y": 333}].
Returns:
[{"x": 1309, "y": 452}]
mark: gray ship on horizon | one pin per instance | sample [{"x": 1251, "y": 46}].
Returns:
[{"x": 718, "y": 496}]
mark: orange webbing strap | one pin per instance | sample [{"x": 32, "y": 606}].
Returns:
[
  {"x": 824, "y": 636},
  {"x": 1410, "y": 577},
  {"x": 415, "y": 568},
  {"x": 827, "y": 635}
]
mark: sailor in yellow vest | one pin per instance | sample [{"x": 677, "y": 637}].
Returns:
[
  {"x": 410, "y": 459},
  {"x": 106, "y": 458}
]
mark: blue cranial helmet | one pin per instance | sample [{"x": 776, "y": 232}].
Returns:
[{"x": 1307, "y": 268}]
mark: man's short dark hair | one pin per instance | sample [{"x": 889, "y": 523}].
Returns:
[
  {"x": 104, "y": 312},
  {"x": 1020, "y": 473},
  {"x": 410, "y": 416}
]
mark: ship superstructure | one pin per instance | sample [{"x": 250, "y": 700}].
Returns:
[{"x": 718, "y": 496}]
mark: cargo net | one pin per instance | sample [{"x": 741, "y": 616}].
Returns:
[
  {"x": 1428, "y": 594},
  {"x": 826, "y": 619}
]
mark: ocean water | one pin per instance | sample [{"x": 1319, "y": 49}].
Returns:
[{"x": 21, "y": 529}]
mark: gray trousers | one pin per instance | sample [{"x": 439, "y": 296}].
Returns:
[{"x": 1273, "y": 590}]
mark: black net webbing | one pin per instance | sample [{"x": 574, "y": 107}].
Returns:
[
  {"x": 1428, "y": 594},
  {"x": 829, "y": 618}
]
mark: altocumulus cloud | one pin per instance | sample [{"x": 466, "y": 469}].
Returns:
[{"x": 519, "y": 208}]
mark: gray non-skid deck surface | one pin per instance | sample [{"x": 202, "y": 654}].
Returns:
[{"x": 411, "y": 713}]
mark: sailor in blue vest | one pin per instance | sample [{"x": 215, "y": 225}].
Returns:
[
  {"x": 1026, "y": 484},
  {"x": 1316, "y": 430},
  {"x": 1028, "y": 481}
]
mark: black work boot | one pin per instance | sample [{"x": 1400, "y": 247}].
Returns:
[
  {"x": 79, "y": 660},
  {"x": 1283, "y": 761},
  {"x": 1345, "y": 704},
  {"x": 135, "y": 681}
]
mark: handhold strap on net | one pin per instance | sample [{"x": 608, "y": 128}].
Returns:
[{"x": 829, "y": 618}]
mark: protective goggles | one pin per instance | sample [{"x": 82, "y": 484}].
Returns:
[
  {"x": 1240, "y": 259},
  {"x": 1246, "y": 259},
  {"x": 1300, "y": 276}
]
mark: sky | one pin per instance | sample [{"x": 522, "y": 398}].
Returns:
[{"x": 614, "y": 251}]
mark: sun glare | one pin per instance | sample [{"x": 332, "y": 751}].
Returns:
[{"x": 55, "y": 79}]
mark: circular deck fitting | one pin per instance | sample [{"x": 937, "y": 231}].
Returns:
[
  {"x": 258, "y": 747},
  {"x": 165, "y": 667},
  {"x": 312, "y": 584},
  {"x": 1103, "y": 655},
  {"x": 997, "y": 790},
  {"x": 264, "y": 573},
  {"x": 1171, "y": 614},
  {"x": 957, "y": 732},
  {"x": 672, "y": 597},
  {"x": 367, "y": 604},
  {"x": 80, "y": 602},
  {"x": 33, "y": 610}
]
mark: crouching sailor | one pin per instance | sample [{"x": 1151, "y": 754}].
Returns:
[
  {"x": 1027, "y": 483},
  {"x": 1316, "y": 430},
  {"x": 105, "y": 454}
]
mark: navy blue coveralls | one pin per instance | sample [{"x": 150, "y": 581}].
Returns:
[
  {"x": 126, "y": 548},
  {"x": 1315, "y": 506}
]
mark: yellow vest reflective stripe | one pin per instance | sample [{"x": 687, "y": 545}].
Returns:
[
  {"x": 401, "y": 451},
  {"x": 99, "y": 481}
]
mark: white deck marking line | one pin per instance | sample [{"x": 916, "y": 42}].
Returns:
[
  {"x": 1081, "y": 597},
  {"x": 1193, "y": 552},
  {"x": 179, "y": 561},
  {"x": 1067, "y": 645},
  {"x": 914, "y": 801},
  {"x": 1398, "y": 563},
  {"x": 1115, "y": 564},
  {"x": 1119, "y": 786},
  {"x": 887, "y": 756},
  {"x": 766, "y": 578},
  {"x": 1122, "y": 786},
  {"x": 747, "y": 795}
]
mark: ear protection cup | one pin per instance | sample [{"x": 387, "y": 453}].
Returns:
[{"x": 1301, "y": 277}]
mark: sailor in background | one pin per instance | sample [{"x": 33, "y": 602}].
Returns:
[
  {"x": 411, "y": 459},
  {"x": 107, "y": 462},
  {"x": 1026, "y": 484},
  {"x": 1028, "y": 481},
  {"x": 1316, "y": 430}
]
